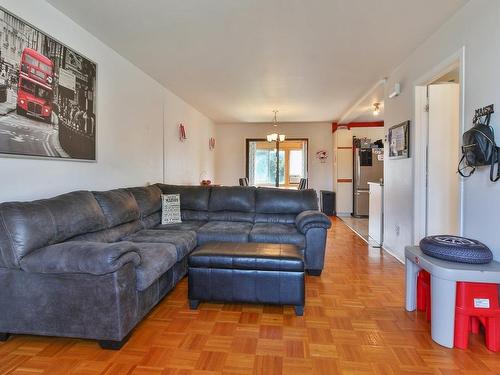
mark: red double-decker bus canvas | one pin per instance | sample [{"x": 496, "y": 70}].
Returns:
[{"x": 47, "y": 95}]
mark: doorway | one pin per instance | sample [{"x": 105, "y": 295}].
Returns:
[
  {"x": 443, "y": 200},
  {"x": 438, "y": 129},
  {"x": 262, "y": 159}
]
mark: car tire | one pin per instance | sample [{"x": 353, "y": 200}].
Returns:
[
  {"x": 456, "y": 249},
  {"x": 20, "y": 111}
]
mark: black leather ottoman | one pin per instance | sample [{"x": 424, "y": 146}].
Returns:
[{"x": 247, "y": 272}]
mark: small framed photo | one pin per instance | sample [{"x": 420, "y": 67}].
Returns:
[{"x": 399, "y": 141}]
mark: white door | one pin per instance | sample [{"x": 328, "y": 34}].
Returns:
[{"x": 443, "y": 183}]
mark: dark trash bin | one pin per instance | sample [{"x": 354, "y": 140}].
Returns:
[{"x": 328, "y": 202}]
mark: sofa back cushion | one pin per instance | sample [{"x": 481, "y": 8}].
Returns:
[
  {"x": 283, "y": 201},
  {"x": 232, "y": 198},
  {"x": 148, "y": 199},
  {"x": 193, "y": 198},
  {"x": 246, "y": 217},
  {"x": 119, "y": 206},
  {"x": 275, "y": 218},
  {"x": 27, "y": 226},
  {"x": 232, "y": 203},
  {"x": 111, "y": 234},
  {"x": 194, "y": 215},
  {"x": 151, "y": 221}
]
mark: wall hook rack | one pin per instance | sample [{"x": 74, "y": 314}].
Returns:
[{"x": 482, "y": 112}]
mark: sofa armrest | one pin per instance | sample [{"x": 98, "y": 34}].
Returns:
[
  {"x": 94, "y": 258},
  {"x": 312, "y": 219}
]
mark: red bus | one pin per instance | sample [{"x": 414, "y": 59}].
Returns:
[{"x": 34, "y": 90}]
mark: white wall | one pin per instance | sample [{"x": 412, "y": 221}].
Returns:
[
  {"x": 230, "y": 156},
  {"x": 190, "y": 161},
  {"x": 476, "y": 26},
  {"x": 131, "y": 111},
  {"x": 343, "y": 163}
]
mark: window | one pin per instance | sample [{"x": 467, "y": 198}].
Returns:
[
  {"x": 34, "y": 89},
  {"x": 265, "y": 167},
  {"x": 31, "y": 60},
  {"x": 261, "y": 162}
]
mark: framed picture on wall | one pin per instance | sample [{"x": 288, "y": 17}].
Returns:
[
  {"x": 399, "y": 141},
  {"x": 47, "y": 95}
]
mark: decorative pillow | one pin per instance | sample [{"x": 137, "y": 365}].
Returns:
[{"x": 170, "y": 209}]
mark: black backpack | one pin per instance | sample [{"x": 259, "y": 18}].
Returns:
[{"x": 479, "y": 148}]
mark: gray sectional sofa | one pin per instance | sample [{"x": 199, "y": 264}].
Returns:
[{"x": 93, "y": 264}]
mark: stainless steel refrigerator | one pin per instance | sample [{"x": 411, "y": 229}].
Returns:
[{"x": 368, "y": 167}]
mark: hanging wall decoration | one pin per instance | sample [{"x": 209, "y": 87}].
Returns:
[
  {"x": 322, "y": 155},
  {"x": 399, "y": 141},
  {"x": 182, "y": 133},
  {"x": 47, "y": 95},
  {"x": 211, "y": 143}
]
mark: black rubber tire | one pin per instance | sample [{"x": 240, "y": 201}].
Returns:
[
  {"x": 456, "y": 249},
  {"x": 20, "y": 111}
]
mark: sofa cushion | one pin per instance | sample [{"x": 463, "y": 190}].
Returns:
[
  {"x": 119, "y": 206},
  {"x": 232, "y": 198},
  {"x": 183, "y": 240},
  {"x": 248, "y": 256},
  {"x": 111, "y": 234},
  {"x": 224, "y": 231},
  {"x": 193, "y": 225},
  {"x": 151, "y": 221},
  {"x": 156, "y": 259},
  {"x": 277, "y": 233},
  {"x": 148, "y": 199},
  {"x": 192, "y": 197},
  {"x": 27, "y": 226},
  {"x": 247, "y": 217},
  {"x": 283, "y": 201},
  {"x": 194, "y": 215},
  {"x": 275, "y": 218}
]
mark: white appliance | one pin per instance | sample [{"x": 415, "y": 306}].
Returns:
[{"x": 376, "y": 218}]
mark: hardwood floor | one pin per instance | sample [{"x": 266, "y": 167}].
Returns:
[{"x": 354, "y": 323}]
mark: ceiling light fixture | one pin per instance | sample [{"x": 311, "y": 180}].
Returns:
[
  {"x": 376, "y": 109},
  {"x": 275, "y": 137}
]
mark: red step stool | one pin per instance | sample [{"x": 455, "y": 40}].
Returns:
[
  {"x": 477, "y": 304},
  {"x": 424, "y": 293}
]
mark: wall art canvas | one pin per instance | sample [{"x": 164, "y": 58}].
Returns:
[
  {"x": 47, "y": 95},
  {"x": 399, "y": 141}
]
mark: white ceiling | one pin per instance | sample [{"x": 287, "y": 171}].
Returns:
[
  {"x": 237, "y": 60},
  {"x": 362, "y": 110}
]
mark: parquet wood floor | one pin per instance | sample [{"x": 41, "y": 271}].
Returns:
[{"x": 354, "y": 323}]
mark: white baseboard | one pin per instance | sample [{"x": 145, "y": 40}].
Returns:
[{"x": 392, "y": 253}]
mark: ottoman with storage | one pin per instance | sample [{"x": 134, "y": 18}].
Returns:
[{"x": 247, "y": 272}]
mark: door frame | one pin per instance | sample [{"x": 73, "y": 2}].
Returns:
[
  {"x": 421, "y": 121},
  {"x": 247, "y": 149}
]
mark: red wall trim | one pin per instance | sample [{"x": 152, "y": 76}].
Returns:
[
  {"x": 344, "y": 179},
  {"x": 336, "y": 125}
]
